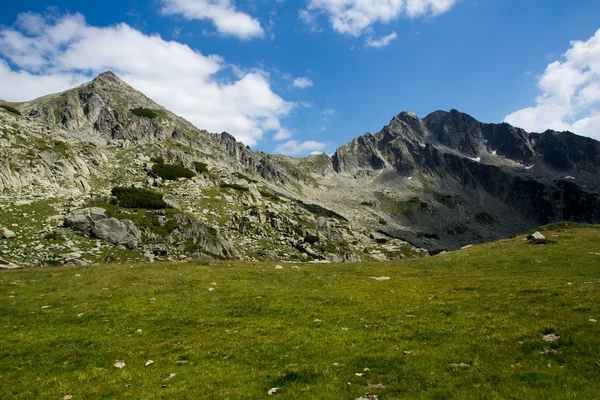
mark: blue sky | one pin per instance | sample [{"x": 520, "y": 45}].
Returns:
[{"x": 310, "y": 75}]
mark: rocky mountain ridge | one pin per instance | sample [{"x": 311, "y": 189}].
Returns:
[{"x": 443, "y": 181}]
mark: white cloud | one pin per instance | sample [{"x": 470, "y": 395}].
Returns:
[
  {"x": 381, "y": 42},
  {"x": 294, "y": 148},
  {"x": 67, "y": 51},
  {"x": 570, "y": 98},
  {"x": 353, "y": 17},
  {"x": 222, "y": 13},
  {"x": 302, "y": 83},
  {"x": 283, "y": 134}
]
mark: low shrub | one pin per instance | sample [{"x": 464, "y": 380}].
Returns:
[
  {"x": 201, "y": 167},
  {"x": 10, "y": 109},
  {"x": 234, "y": 186},
  {"x": 144, "y": 112},
  {"x": 139, "y": 198},
  {"x": 172, "y": 172}
]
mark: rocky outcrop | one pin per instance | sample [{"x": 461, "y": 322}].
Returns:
[
  {"x": 204, "y": 241},
  {"x": 94, "y": 222},
  {"x": 118, "y": 232}
]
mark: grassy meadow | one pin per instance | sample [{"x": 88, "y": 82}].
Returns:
[{"x": 464, "y": 325}]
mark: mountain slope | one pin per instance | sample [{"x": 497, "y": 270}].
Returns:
[
  {"x": 65, "y": 154},
  {"x": 443, "y": 181}
]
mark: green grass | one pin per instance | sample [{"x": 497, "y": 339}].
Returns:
[
  {"x": 396, "y": 207},
  {"x": 487, "y": 306}
]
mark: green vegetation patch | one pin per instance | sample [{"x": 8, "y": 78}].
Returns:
[
  {"x": 144, "y": 112},
  {"x": 139, "y": 198},
  {"x": 10, "y": 109},
  {"x": 226, "y": 185},
  {"x": 469, "y": 324},
  {"x": 172, "y": 172},
  {"x": 200, "y": 167},
  {"x": 395, "y": 207}
]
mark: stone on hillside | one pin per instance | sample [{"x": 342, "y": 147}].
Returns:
[
  {"x": 8, "y": 265},
  {"x": 8, "y": 234},
  {"x": 83, "y": 219},
  {"x": 120, "y": 364},
  {"x": 118, "y": 232},
  {"x": 536, "y": 235},
  {"x": 381, "y": 278},
  {"x": 22, "y": 203}
]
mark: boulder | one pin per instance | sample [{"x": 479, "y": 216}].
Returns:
[
  {"x": 536, "y": 235},
  {"x": 8, "y": 234},
  {"x": 8, "y": 265},
  {"x": 118, "y": 232},
  {"x": 83, "y": 219}
]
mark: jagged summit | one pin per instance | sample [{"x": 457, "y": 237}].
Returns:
[{"x": 108, "y": 75}]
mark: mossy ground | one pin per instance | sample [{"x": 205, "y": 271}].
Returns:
[{"x": 488, "y": 306}]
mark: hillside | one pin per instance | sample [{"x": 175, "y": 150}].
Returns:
[
  {"x": 444, "y": 181},
  {"x": 502, "y": 320}
]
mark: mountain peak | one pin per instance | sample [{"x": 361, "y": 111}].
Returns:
[{"x": 108, "y": 76}]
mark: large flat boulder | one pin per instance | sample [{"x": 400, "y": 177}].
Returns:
[
  {"x": 118, "y": 232},
  {"x": 83, "y": 219}
]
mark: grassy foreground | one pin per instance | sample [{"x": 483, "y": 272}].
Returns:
[{"x": 463, "y": 325}]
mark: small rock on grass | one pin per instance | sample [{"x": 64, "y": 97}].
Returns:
[
  {"x": 460, "y": 366},
  {"x": 120, "y": 364},
  {"x": 278, "y": 267},
  {"x": 46, "y": 307},
  {"x": 593, "y": 321},
  {"x": 551, "y": 337},
  {"x": 380, "y": 278},
  {"x": 273, "y": 391},
  {"x": 148, "y": 363},
  {"x": 67, "y": 397}
]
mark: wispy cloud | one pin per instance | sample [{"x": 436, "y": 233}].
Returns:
[
  {"x": 294, "y": 148},
  {"x": 382, "y": 41},
  {"x": 302, "y": 83},
  {"x": 354, "y": 17}
]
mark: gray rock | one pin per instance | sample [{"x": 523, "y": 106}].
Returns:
[
  {"x": 536, "y": 235},
  {"x": 8, "y": 234},
  {"x": 118, "y": 232},
  {"x": 83, "y": 219},
  {"x": 8, "y": 265}
]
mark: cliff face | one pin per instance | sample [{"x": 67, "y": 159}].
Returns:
[
  {"x": 443, "y": 181},
  {"x": 475, "y": 181}
]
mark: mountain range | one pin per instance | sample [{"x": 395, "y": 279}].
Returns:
[{"x": 417, "y": 186}]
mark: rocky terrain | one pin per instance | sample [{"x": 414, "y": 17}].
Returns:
[{"x": 441, "y": 182}]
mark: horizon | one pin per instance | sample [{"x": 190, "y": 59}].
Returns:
[{"x": 309, "y": 76}]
